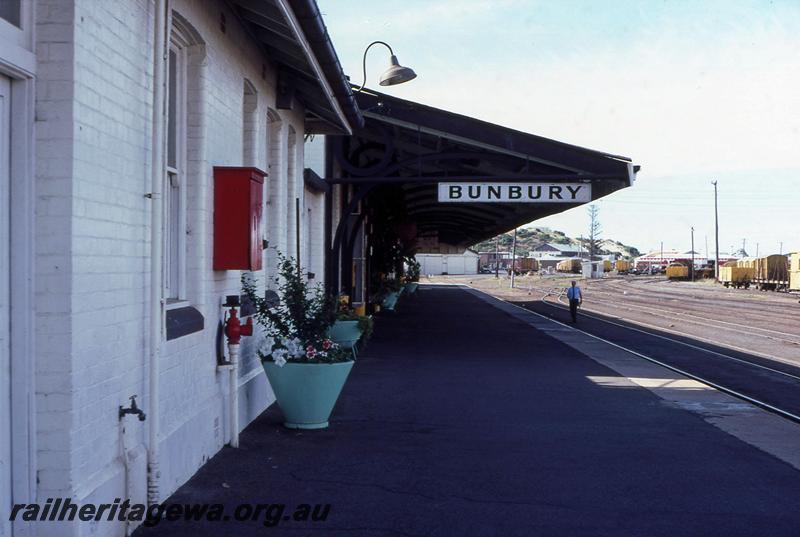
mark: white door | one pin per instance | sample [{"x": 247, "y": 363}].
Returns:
[
  {"x": 5, "y": 354},
  {"x": 455, "y": 264},
  {"x": 433, "y": 265}
]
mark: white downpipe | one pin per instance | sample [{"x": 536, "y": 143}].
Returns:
[
  {"x": 156, "y": 250},
  {"x": 233, "y": 351}
]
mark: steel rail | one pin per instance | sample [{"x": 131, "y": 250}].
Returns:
[
  {"x": 696, "y": 347},
  {"x": 748, "y": 329},
  {"x": 756, "y": 402}
]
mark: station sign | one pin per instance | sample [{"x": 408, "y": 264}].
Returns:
[{"x": 515, "y": 192}]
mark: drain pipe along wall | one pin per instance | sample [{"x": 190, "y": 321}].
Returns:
[{"x": 156, "y": 253}]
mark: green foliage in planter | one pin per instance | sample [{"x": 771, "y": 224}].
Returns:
[
  {"x": 412, "y": 269},
  {"x": 297, "y": 326},
  {"x": 365, "y": 322}
]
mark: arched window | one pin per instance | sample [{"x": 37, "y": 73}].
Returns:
[
  {"x": 183, "y": 37},
  {"x": 249, "y": 125},
  {"x": 275, "y": 197}
]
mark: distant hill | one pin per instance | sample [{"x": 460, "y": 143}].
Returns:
[{"x": 529, "y": 238}]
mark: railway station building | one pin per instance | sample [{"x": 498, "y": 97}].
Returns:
[{"x": 122, "y": 126}]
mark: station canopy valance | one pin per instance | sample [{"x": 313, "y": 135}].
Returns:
[
  {"x": 463, "y": 180},
  {"x": 296, "y": 43}
]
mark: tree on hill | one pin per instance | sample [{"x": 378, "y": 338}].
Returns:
[
  {"x": 528, "y": 238},
  {"x": 594, "y": 232}
]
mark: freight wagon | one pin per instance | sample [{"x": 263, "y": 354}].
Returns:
[
  {"x": 569, "y": 265},
  {"x": 677, "y": 271},
  {"x": 794, "y": 271},
  {"x": 525, "y": 264},
  {"x": 732, "y": 275},
  {"x": 768, "y": 273},
  {"x": 622, "y": 266},
  {"x": 771, "y": 273},
  {"x": 607, "y": 265}
]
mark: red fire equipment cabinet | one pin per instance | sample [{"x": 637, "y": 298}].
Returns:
[{"x": 238, "y": 202}]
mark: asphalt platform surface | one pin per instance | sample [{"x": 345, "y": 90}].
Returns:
[{"x": 460, "y": 420}]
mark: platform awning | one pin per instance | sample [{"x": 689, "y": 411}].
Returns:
[
  {"x": 406, "y": 150},
  {"x": 293, "y": 35}
]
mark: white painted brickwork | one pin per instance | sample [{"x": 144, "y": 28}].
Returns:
[{"x": 94, "y": 112}]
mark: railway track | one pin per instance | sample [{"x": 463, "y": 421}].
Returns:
[
  {"x": 696, "y": 347},
  {"x": 771, "y": 383},
  {"x": 700, "y": 320},
  {"x": 773, "y": 321}
]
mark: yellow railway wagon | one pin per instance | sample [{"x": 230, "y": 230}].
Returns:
[
  {"x": 527, "y": 264},
  {"x": 747, "y": 262},
  {"x": 730, "y": 274},
  {"x": 794, "y": 262},
  {"x": 607, "y": 265},
  {"x": 569, "y": 265},
  {"x": 676, "y": 271},
  {"x": 771, "y": 268},
  {"x": 622, "y": 265},
  {"x": 794, "y": 271}
]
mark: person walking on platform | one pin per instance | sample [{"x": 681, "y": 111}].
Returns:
[{"x": 575, "y": 299}]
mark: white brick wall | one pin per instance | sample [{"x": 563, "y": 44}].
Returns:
[
  {"x": 55, "y": 391},
  {"x": 94, "y": 113}
]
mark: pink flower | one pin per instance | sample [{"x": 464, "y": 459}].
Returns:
[
  {"x": 311, "y": 352},
  {"x": 327, "y": 344}
]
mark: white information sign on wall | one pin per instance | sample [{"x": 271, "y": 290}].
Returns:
[{"x": 515, "y": 192}]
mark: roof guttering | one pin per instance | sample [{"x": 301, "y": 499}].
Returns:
[{"x": 309, "y": 18}]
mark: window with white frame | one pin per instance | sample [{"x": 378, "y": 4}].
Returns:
[
  {"x": 11, "y": 11},
  {"x": 175, "y": 178}
]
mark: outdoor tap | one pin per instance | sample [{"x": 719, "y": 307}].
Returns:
[{"x": 133, "y": 409}]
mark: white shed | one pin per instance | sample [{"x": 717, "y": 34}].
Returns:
[{"x": 457, "y": 264}]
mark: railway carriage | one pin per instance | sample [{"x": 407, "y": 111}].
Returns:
[{"x": 794, "y": 271}]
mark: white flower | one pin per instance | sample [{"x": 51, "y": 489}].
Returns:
[
  {"x": 268, "y": 343},
  {"x": 279, "y": 357},
  {"x": 295, "y": 348}
]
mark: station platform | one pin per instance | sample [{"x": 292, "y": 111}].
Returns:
[{"x": 463, "y": 417}]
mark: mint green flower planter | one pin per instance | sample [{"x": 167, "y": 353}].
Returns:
[
  {"x": 411, "y": 288},
  {"x": 307, "y": 393},
  {"x": 345, "y": 333},
  {"x": 391, "y": 300}
]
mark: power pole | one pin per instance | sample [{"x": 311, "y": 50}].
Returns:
[
  {"x": 661, "y": 261},
  {"x": 513, "y": 257},
  {"x": 716, "y": 233},
  {"x": 756, "y": 249},
  {"x": 781, "y": 252},
  {"x": 692, "y": 267}
]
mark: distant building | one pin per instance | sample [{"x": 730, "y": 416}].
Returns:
[
  {"x": 554, "y": 249},
  {"x": 454, "y": 264},
  {"x": 487, "y": 259},
  {"x": 662, "y": 259}
]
